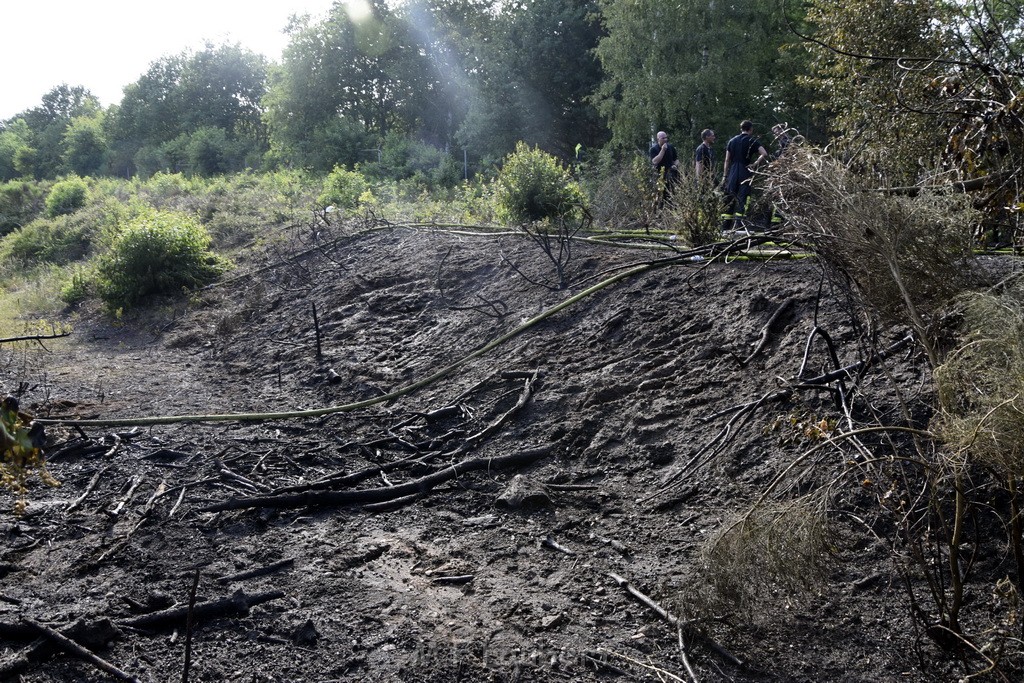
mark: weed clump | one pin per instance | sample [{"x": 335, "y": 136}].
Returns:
[
  {"x": 343, "y": 189},
  {"x": 901, "y": 253},
  {"x": 785, "y": 546}
]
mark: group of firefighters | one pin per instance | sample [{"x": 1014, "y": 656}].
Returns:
[{"x": 744, "y": 154}]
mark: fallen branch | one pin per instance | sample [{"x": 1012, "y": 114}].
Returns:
[
  {"x": 384, "y": 398},
  {"x": 35, "y": 337},
  {"x": 453, "y": 580},
  {"x": 960, "y": 186},
  {"x": 338, "y": 481},
  {"x": 72, "y": 648},
  {"x": 190, "y": 622},
  {"x": 259, "y": 571},
  {"x": 88, "y": 489},
  {"x": 689, "y": 630},
  {"x": 548, "y": 542},
  {"x": 236, "y": 605},
  {"x": 389, "y": 505},
  {"x": 368, "y": 555},
  {"x": 380, "y": 495},
  {"x": 766, "y": 330},
  {"x": 660, "y": 672},
  {"x": 524, "y": 396},
  {"x": 116, "y": 511},
  {"x": 685, "y": 658},
  {"x": 745, "y": 411}
]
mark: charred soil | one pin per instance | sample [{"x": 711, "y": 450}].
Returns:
[{"x": 509, "y": 498}]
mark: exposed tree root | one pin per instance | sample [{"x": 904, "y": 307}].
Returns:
[{"x": 380, "y": 495}]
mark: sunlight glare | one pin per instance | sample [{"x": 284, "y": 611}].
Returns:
[{"x": 358, "y": 10}]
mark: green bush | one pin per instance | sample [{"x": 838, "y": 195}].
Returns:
[
  {"x": 65, "y": 239},
  {"x": 20, "y": 202},
  {"x": 343, "y": 188},
  {"x": 166, "y": 185},
  {"x": 210, "y": 152},
  {"x": 67, "y": 196},
  {"x": 533, "y": 186},
  {"x": 78, "y": 287},
  {"x": 405, "y": 158},
  {"x": 158, "y": 252}
]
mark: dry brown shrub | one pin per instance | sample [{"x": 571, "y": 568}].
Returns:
[
  {"x": 776, "y": 547},
  {"x": 622, "y": 198},
  {"x": 981, "y": 383},
  {"x": 694, "y": 212},
  {"x": 901, "y": 254}
]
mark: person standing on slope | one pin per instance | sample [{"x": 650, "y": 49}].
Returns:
[
  {"x": 738, "y": 167},
  {"x": 665, "y": 161}
]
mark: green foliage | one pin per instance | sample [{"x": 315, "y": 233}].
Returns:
[
  {"x": 148, "y": 161},
  {"x": 44, "y": 240},
  {"x": 210, "y": 152},
  {"x": 469, "y": 202},
  {"x": 533, "y": 186},
  {"x": 621, "y": 196},
  {"x": 20, "y": 202},
  {"x": 343, "y": 189},
  {"x": 362, "y": 72},
  {"x": 690, "y": 65},
  {"x": 238, "y": 208},
  {"x": 534, "y": 72},
  {"x": 877, "y": 109},
  {"x": 405, "y": 158},
  {"x": 44, "y": 155},
  {"x": 336, "y": 142},
  {"x": 85, "y": 145},
  {"x": 78, "y": 287},
  {"x": 67, "y": 238},
  {"x": 67, "y": 196},
  {"x": 157, "y": 252},
  {"x": 13, "y": 140},
  {"x": 695, "y": 211},
  {"x": 217, "y": 88},
  {"x": 166, "y": 185}
]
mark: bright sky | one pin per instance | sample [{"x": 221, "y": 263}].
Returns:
[{"x": 104, "y": 45}]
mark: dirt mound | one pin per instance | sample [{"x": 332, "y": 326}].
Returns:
[{"x": 508, "y": 500}]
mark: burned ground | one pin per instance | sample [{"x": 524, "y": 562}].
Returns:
[{"x": 504, "y": 574}]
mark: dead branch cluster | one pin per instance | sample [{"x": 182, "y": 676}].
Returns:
[
  {"x": 432, "y": 447},
  {"x": 902, "y": 257}
]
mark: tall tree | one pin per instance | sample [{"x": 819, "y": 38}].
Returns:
[
  {"x": 342, "y": 67},
  {"x": 692, "y": 64},
  {"x": 48, "y": 123},
  {"x": 444, "y": 32},
  {"x": 536, "y": 70},
  {"x": 85, "y": 145},
  {"x": 14, "y": 137},
  {"x": 218, "y": 87},
  {"x": 863, "y": 57},
  {"x": 925, "y": 86}
]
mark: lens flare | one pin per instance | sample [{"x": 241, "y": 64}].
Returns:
[{"x": 357, "y": 10}]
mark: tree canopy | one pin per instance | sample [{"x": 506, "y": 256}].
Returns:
[{"x": 904, "y": 87}]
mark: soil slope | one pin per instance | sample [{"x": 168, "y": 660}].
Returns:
[{"x": 631, "y": 463}]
